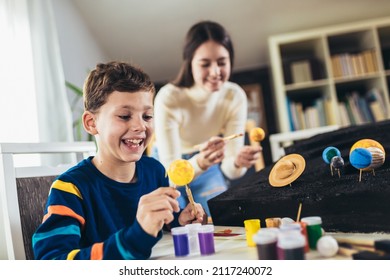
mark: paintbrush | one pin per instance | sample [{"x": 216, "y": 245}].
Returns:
[
  {"x": 362, "y": 255},
  {"x": 227, "y": 138},
  {"x": 382, "y": 245}
]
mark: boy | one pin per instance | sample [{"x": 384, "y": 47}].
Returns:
[{"x": 113, "y": 205}]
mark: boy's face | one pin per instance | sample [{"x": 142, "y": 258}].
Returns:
[{"x": 124, "y": 126}]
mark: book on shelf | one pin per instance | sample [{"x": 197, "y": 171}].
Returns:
[
  {"x": 301, "y": 71},
  {"x": 291, "y": 114},
  {"x": 336, "y": 66},
  {"x": 370, "y": 61},
  {"x": 348, "y": 64},
  {"x": 344, "y": 116},
  {"x": 377, "y": 111},
  {"x": 300, "y": 115},
  {"x": 376, "y": 103}
]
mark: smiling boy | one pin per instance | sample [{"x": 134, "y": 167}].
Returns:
[{"x": 113, "y": 205}]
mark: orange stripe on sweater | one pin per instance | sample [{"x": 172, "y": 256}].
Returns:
[
  {"x": 97, "y": 251},
  {"x": 63, "y": 211}
]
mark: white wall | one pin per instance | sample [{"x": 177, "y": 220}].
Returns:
[{"x": 79, "y": 50}]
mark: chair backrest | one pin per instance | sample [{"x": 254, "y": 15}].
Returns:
[{"x": 24, "y": 191}]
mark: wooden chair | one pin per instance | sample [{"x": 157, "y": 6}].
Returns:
[{"x": 24, "y": 191}]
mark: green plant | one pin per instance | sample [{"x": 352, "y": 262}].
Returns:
[{"x": 78, "y": 123}]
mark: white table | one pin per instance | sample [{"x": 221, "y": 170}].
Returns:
[{"x": 235, "y": 248}]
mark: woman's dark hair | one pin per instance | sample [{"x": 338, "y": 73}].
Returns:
[{"x": 198, "y": 34}]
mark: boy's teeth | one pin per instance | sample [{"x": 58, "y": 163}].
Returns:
[{"x": 134, "y": 141}]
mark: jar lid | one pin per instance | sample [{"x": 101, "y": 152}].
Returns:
[
  {"x": 265, "y": 236},
  {"x": 179, "y": 230},
  {"x": 312, "y": 220},
  {"x": 291, "y": 240}
]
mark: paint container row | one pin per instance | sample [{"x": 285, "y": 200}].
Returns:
[
  {"x": 289, "y": 241},
  {"x": 193, "y": 239}
]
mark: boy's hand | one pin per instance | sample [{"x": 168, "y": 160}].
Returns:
[
  {"x": 156, "y": 209},
  {"x": 187, "y": 215}
]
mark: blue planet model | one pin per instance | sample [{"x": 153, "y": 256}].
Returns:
[
  {"x": 329, "y": 153},
  {"x": 360, "y": 158}
]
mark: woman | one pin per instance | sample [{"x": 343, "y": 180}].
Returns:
[{"x": 202, "y": 106}]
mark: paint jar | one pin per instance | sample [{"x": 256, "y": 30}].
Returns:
[
  {"x": 206, "y": 239},
  {"x": 314, "y": 230},
  {"x": 180, "y": 241},
  {"x": 193, "y": 237},
  {"x": 300, "y": 227},
  {"x": 292, "y": 226},
  {"x": 252, "y": 226},
  {"x": 291, "y": 245},
  {"x": 273, "y": 222},
  {"x": 304, "y": 233},
  {"x": 266, "y": 240}
]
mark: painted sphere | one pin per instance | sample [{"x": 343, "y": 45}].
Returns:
[
  {"x": 360, "y": 158},
  {"x": 327, "y": 246},
  {"x": 257, "y": 134},
  {"x": 329, "y": 153},
  {"x": 337, "y": 162},
  {"x": 181, "y": 172},
  {"x": 378, "y": 158},
  {"x": 366, "y": 143}
]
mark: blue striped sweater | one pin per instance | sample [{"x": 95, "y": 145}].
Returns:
[{"x": 90, "y": 216}]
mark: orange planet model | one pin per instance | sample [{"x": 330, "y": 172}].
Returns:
[
  {"x": 181, "y": 172},
  {"x": 257, "y": 134},
  {"x": 375, "y": 148},
  {"x": 366, "y": 143}
]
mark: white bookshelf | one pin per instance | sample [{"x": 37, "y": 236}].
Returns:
[{"x": 347, "y": 62}]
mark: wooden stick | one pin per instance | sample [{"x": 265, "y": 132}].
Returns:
[
  {"x": 191, "y": 199},
  {"x": 233, "y": 136},
  {"x": 227, "y": 138},
  {"x": 360, "y": 175},
  {"x": 299, "y": 212}
]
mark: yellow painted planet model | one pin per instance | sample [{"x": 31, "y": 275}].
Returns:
[
  {"x": 181, "y": 172},
  {"x": 257, "y": 134},
  {"x": 375, "y": 148},
  {"x": 367, "y": 143}
]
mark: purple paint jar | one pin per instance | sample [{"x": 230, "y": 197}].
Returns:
[
  {"x": 180, "y": 241},
  {"x": 206, "y": 239}
]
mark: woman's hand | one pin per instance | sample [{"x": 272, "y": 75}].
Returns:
[
  {"x": 156, "y": 209},
  {"x": 248, "y": 156},
  {"x": 187, "y": 215},
  {"x": 212, "y": 152}
]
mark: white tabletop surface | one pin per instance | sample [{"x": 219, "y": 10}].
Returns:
[{"x": 235, "y": 247}]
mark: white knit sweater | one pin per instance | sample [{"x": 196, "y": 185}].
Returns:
[{"x": 186, "y": 117}]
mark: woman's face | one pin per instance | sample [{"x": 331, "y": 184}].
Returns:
[{"x": 211, "y": 66}]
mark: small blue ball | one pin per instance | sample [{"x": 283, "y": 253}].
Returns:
[
  {"x": 360, "y": 158},
  {"x": 329, "y": 153}
]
